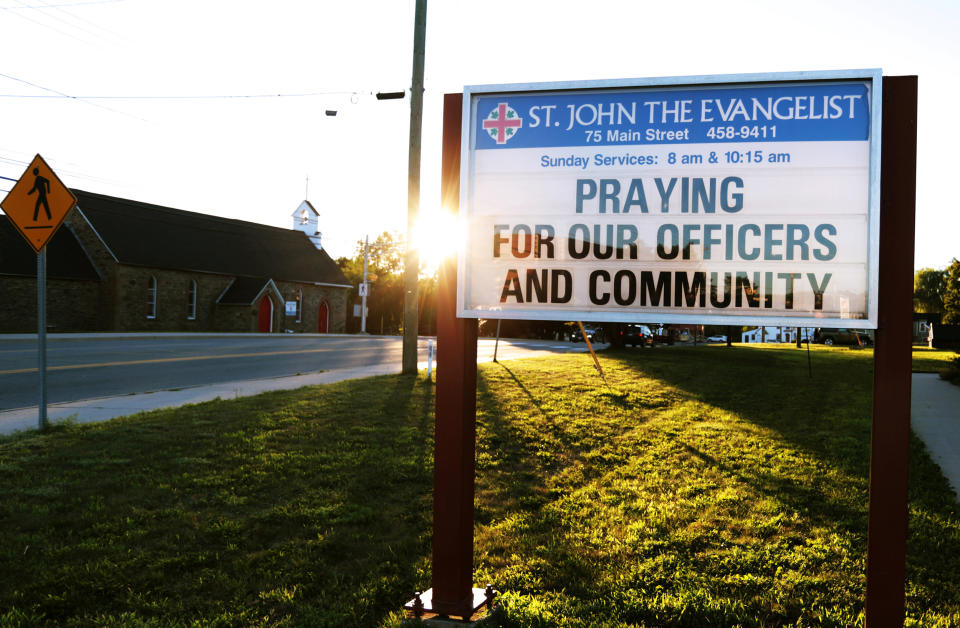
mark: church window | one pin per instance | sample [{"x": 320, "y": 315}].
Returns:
[
  {"x": 192, "y": 301},
  {"x": 152, "y": 298}
]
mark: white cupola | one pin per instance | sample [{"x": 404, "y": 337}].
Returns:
[{"x": 307, "y": 220}]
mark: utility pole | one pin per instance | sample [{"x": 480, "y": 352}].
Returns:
[
  {"x": 412, "y": 261},
  {"x": 364, "y": 286}
]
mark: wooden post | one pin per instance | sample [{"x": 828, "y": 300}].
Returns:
[
  {"x": 411, "y": 264},
  {"x": 890, "y": 438},
  {"x": 456, "y": 412}
]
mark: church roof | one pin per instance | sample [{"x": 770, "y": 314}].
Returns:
[
  {"x": 142, "y": 234},
  {"x": 245, "y": 290},
  {"x": 66, "y": 259}
]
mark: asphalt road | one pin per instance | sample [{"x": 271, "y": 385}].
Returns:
[{"x": 89, "y": 366}]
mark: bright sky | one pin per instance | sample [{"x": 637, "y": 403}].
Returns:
[{"x": 108, "y": 91}]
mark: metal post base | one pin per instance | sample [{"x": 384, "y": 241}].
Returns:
[{"x": 421, "y": 606}]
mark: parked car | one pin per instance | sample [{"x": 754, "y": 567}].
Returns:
[
  {"x": 842, "y": 336},
  {"x": 576, "y": 336},
  {"x": 717, "y": 339},
  {"x": 635, "y": 335}
]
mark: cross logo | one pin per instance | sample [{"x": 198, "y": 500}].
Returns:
[{"x": 502, "y": 123}]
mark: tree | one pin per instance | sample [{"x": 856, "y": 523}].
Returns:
[
  {"x": 951, "y": 294},
  {"x": 929, "y": 286},
  {"x": 385, "y": 276}
]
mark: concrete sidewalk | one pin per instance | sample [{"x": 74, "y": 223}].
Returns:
[
  {"x": 935, "y": 418},
  {"x": 105, "y": 408}
]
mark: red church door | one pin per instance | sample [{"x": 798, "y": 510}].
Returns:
[
  {"x": 266, "y": 315},
  {"x": 322, "y": 318}
]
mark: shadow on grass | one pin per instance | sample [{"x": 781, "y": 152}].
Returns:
[
  {"x": 513, "y": 473},
  {"x": 828, "y": 417},
  {"x": 526, "y": 391},
  {"x": 506, "y": 466},
  {"x": 796, "y": 444},
  {"x": 310, "y": 506},
  {"x": 562, "y": 439}
]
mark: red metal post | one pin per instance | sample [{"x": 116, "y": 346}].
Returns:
[
  {"x": 890, "y": 438},
  {"x": 456, "y": 411}
]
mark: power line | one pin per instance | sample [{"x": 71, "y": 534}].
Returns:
[
  {"x": 46, "y": 89},
  {"x": 174, "y": 97},
  {"x": 63, "y": 95},
  {"x": 73, "y": 22},
  {"x": 52, "y": 6},
  {"x": 60, "y": 9},
  {"x": 23, "y": 16},
  {"x": 65, "y": 169},
  {"x": 70, "y": 24}
]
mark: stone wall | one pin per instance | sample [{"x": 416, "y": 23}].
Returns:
[
  {"x": 173, "y": 289},
  {"x": 102, "y": 259},
  {"x": 237, "y": 318},
  {"x": 72, "y": 305},
  {"x": 78, "y": 306},
  {"x": 313, "y": 296}
]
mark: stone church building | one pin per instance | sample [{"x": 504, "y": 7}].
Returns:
[{"x": 122, "y": 265}]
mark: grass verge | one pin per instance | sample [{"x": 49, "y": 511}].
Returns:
[
  {"x": 706, "y": 486},
  {"x": 929, "y": 360},
  {"x": 308, "y": 507}
]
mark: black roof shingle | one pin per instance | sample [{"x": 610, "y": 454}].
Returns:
[
  {"x": 142, "y": 234},
  {"x": 66, "y": 259},
  {"x": 243, "y": 291}
]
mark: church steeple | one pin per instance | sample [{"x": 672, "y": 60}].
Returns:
[{"x": 307, "y": 220}]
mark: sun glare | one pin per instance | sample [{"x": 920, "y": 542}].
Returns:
[{"x": 436, "y": 235}]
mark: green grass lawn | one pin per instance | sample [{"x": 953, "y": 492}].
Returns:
[
  {"x": 927, "y": 360},
  {"x": 706, "y": 486}
]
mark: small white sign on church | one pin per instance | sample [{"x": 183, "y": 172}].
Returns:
[{"x": 291, "y": 308}]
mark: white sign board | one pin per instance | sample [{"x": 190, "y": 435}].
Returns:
[
  {"x": 290, "y": 308},
  {"x": 725, "y": 200}
]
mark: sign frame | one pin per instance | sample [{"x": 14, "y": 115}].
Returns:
[{"x": 873, "y": 77}]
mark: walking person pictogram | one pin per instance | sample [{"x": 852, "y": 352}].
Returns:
[
  {"x": 41, "y": 185},
  {"x": 45, "y": 190}
]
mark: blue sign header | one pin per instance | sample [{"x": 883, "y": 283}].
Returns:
[{"x": 786, "y": 112}]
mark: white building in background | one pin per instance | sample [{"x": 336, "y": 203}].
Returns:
[{"x": 777, "y": 334}]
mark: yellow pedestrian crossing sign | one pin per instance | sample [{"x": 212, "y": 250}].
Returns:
[{"x": 38, "y": 203}]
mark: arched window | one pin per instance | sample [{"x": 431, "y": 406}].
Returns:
[
  {"x": 192, "y": 300},
  {"x": 152, "y": 297}
]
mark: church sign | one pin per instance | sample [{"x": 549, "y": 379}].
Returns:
[{"x": 749, "y": 199}]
